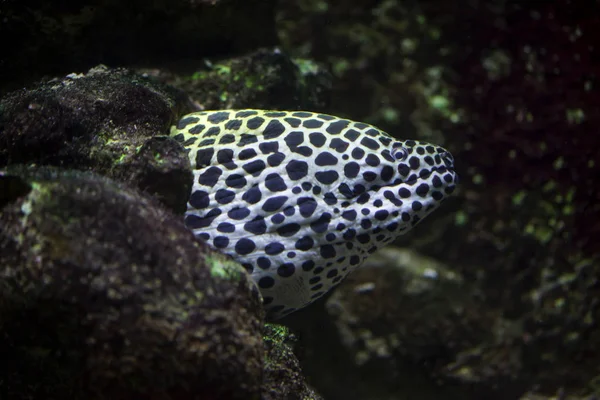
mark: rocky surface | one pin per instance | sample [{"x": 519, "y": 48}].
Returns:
[
  {"x": 110, "y": 121},
  {"x": 105, "y": 294},
  {"x": 265, "y": 79},
  {"x": 284, "y": 378}
]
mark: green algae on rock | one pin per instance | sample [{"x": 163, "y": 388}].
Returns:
[
  {"x": 108, "y": 121},
  {"x": 283, "y": 377},
  {"x": 266, "y": 78},
  {"x": 107, "y": 294}
]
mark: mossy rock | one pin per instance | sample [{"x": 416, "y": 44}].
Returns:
[{"x": 106, "y": 294}]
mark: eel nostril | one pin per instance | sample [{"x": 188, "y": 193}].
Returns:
[{"x": 448, "y": 159}]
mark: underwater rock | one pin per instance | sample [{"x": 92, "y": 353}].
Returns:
[
  {"x": 111, "y": 122},
  {"x": 405, "y": 325},
  {"x": 107, "y": 121},
  {"x": 264, "y": 79},
  {"x": 105, "y": 294},
  {"x": 283, "y": 376}
]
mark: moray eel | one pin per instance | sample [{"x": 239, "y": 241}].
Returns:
[{"x": 300, "y": 199}]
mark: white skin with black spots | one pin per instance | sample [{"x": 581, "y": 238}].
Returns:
[{"x": 300, "y": 199}]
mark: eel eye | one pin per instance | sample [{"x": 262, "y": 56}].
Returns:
[{"x": 400, "y": 153}]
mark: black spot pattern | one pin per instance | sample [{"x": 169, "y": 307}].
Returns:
[
  {"x": 308, "y": 265},
  {"x": 238, "y": 213},
  {"x": 289, "y": 193},
  {"x": 225, "y": 156},
  {"x": 245, "y": 113},
  {"x": 275, "y": 183},
  {"x": 286, "y": 270},
  {"x": 326, "y": 158},
  {"x": 274, "y": 248},
  {"x": 277, "y": 218},
  {"x": 387, "y": 173},
  {"x": 199, "y": 199},
  {"x": 252, "y": 195},
  {"x": 233, "y": 124},
  {"x": 330, "y": 199},
  {"x": 369, "y": 143},
  {"x": 372, "y": 160},
  {"x": 288, "y": 230},
  {"x": 327, "y": 251},
  {"x": 345, "y": 190},
  {"x": 213, "y": 131},
  {"x": 210, "y": 176},
  {"x": 269, "y": 147},
  {"x": 303, "y": 150},
  {"x": 296, "y": 170},
  {"x": 273, "y": 204},
  {"x": 255, "y": 167},
  {"x": 236, "y": 181},
  {"x": 227, "y": 139},
  {"x": 221, "y": 242},
  {"x": 263, "y": 262},
  {"x": 226, "y": 227},
  {"x": 257, "y": 226},
  {"x": 294, "y": 122},
  {"x": 217, "y": 117},
  {"x": 273, "y": 130},
  {"x": 422, "y": 190},
  {"x": 266, "y": 282},
  {"x": 224, "y": 196},
  {"x": 352, "y": 135},
  {"x": 305, "y": 243},
  {"x": 302, "y": 114},
  {"x": 246, "y": 139},
  {"x": 247, "y": 154},
  {"x": 294, "y": 139},
  {"x": 275, "y": 159},
  {"x": 307, "y": 206},
  {"x": 289, "y": 211},
  {"x": 196, "y": 129},
  {"x": 351, "y": 170},
  {"x": 312, "y": 123},
  {"x": 336, "y": 127},
  {"x": 358, "y": 153},
  {"x": 321, "y": 225},
  {"x": 255, "y": 123},
  {"x": 327, "y": 177},
  {"x": 338, "y": 145},
  {"x": 195, "y": 222},
  {"x": 317, "y": 139},
  {"x": 206, "y": 142},
  {"x": 184, "y": 122},
  {"x": 404, "y": 193}
]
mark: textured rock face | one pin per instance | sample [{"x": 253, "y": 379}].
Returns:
[
  {"x": 102, "y": 285},
  {"x": 104, "y": 292},
  {"x": 283, "y": 376},
  {"x": 108, "y": 121},
  {"x": 266, "y": 79}
]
